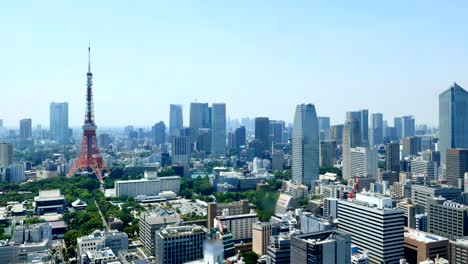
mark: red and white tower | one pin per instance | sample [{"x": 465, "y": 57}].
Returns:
[{"x": 89, "y": 158}]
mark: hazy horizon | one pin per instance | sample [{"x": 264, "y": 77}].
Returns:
[{"x": 260, "y": 58}]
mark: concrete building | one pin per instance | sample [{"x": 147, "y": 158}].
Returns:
[
  {"x": 363, "y": 162},
  {"x": 218, "y": 129},
  {"x": 6, "y": 154},
  {"x": 410, "y": 211},
  {"x": 321, "y": 247},
  {"x": 420, "y": 194},
  {"x": 456, "y": 166},
  {"x": 279, "y": 250},
  {"x": 16, "y": 173},
  {"x": 446, "y": 218},
  {"x": 176, "y": 120},
  {"x": 284, "y": 204},
  {"x": 98, "y": 240},
  {"x": 327, "y": 153},
  {"x": 420, "y": 246},
  {"x": 411, "y": 146},
  {"x": 150, "y": 185},
  {"x": 423, "y": 167},
  {"x": 261, "y": 232},
  {"x": 49, "y": 201},
  {"x": 305, "y": 145},
  {"x": 152, "y": 221},
  {"x": 11, "y": 252},
  {"x": 180, "y": 244},
  {"x": 239, "y": 225},
  {"x": 234, "y": 208},
  {"x": 453, "y": 117},
  {"x": 374, "y": 225},
  {"x": 459, "y": 250},
  {"x": 296, "y": 190}
]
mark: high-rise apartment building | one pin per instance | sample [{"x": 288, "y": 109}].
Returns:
[
  {"x": 453, "y": 120},
  {"x": 59, "y": 129},
  {"x": 392, "y": 156},
  {"x": 331, "y": 246},
  {"x": 6, "y": 154},
  {"x": 176, "y": 120},
  {"x": 374, "y": 225},
  {"x": 456, "y": 166},
  {"x": 262, "y": 132},
  {"x": 218, "y": 129},
  {"x": 305, "y": 145},
  {"x": 25, "y": 128}
]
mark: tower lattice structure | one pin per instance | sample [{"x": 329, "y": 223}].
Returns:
[{"x": 90, "y": 158}]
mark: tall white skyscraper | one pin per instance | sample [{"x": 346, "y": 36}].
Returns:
[
  {"x": 305, "y": 145},
  {"x": 176, "y": 121},
  {"x": 453, "y": 120},
  {"x": 59, "y": 130},
  {"x": 218, "y": 129}
]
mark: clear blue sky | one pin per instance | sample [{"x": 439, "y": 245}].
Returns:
[{"x": 260, "y": 57}]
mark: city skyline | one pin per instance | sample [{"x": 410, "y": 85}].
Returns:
[{"x": 229, "y": 54}]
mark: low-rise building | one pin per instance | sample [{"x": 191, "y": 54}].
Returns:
[
  {"x": 150, "y": 185},
  {"x": 420, "y": 246}
]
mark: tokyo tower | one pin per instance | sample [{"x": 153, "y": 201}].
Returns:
[{"x": 89, "y": 158}]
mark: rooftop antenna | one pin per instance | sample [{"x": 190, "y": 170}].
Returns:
[{"x": 89, "y": 56}]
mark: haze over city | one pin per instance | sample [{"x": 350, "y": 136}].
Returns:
[{"x": 261, "y": 59}]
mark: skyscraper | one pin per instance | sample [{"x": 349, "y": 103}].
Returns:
[
  {"x": 324, "y": 123},
  {"x": 176, "y": 121},
  {"x": 158, "y": 133},
  {"x": 59, "y": 130},
  {"x": 457, "y": 165},
  {"x": 363, "y": 162},
  {"x": 398, "y": 124},
  {"x": 453, "y": 120},
  {"x": 305, "y": 145},
  {"x": 262, "y": 132},
  {"x": 365, "y": 126},
  {"x": 218, "y": 129},
  {"x": 181, "y": 150},
  {"x": 199, "y": 116},
  {"x": 25, "y": 128},
  {"x": 276, "y": 131},
  {"x": 6, "y": 154},
  {"x": 336, "y": 133},
  {"x": 392, "y": 156},
  {"x": 376, "y": 129},
  {"x": 408, "y": 127},
  {"x": 351, "y": 138},
  {"x": 239, "y": 137},
  {"x": 327, "y": 153}
]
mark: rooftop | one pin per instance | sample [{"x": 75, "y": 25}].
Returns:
[
  {"x": 422, "y": 236},
  {"x": 173, "y": 231}
]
